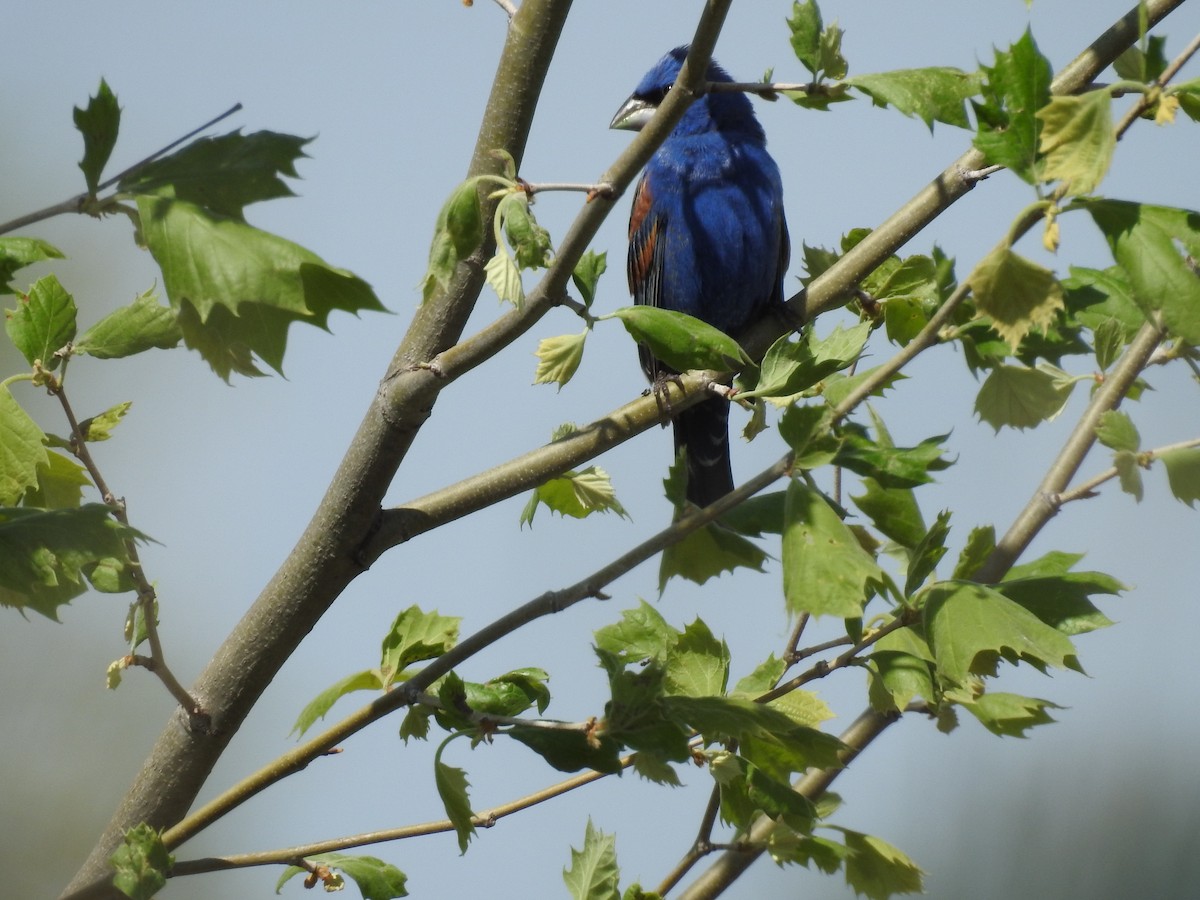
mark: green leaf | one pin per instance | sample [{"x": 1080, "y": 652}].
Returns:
[
  {"x": 59, "y": 483},
  {"x": 1017, "y": 294},
  {"x": 707, "y": 552},
  {"x": 681, "y": 341},
  {"x": 223, "y": 174},
  {"x": 1010, "y": 714},
  {"x": 902, "y": 467},
  {"x": 323, "y": 702},
  {"x": 747, "y": 789},
  {"x": 825, "y": 569},
  {"x": 22, "y": 450},
  {"x": 971, "y": 627},
  {"x": 570, "y": 751},
  {"x": 805, "y": 26},
  {"x": 876, "y": 869},
  {"x": 641, "y": 634},
  {"x": 1020, "y": 397},
  {"x": 1183, "y": 473},
  {"x": 1016, "y": 87},
  {"x": 530, "y": 242},
  {"x": 587, "y": 274},
  {"x": 43, "y": 322},
  {"x": 1152, "y": 245},
  {"x": 46, "y": 555},
  {"x": 143, "y": 325},
  {"x": 98, "y": 124},
  {"x": 635, "y": 716},
  {"x": 979, "y": 546},
  {"x": 790, "y": 367},
  {"x": 413, "y": 637},
  {"x": 452, "y": 787},
  {"x": 807, "y": 430},
  {"x": 575, "y": 494},
  {"x": 504, "y": 277},
  {"x": 141, "y": 863},
  {"x": 927, "y": 554},
  {"x": 1061, "y": 600},
  {"x": 764, "y": 677},
  {"x": 898, "y": 679},
  {"x": 376, "y": 879},
  {"x": 761, "y": 514},
  {"x": 698, "y": 664},
  {"x": 932, "y": 94},
  {"x": 1103, "y": 298},
  {"x": 18, "y": 252},
  {"x": 236, "y": 289},
  {"x": 1129, "y": 473},
  {"x": 1077, "y": 140},
  {"x": 1116, "y": 431},
  {"x": 894, "y": 511},
  {"x": 593, "y": 872},
  {"x": 510, "y": 694},
  {"x": 788, "y": 846},
  {"x": 459, "y": 230},
  {"x": 99, "y": 428}
]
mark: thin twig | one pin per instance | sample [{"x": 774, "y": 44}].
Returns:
[{"x": 1088, "y": 488}]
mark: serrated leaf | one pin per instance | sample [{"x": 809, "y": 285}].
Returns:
[
  {"x": 635, "y": 716},
  {"x": 971, "y": 627},
  {"x": 59, "y": 484},
  {"x": 980, "y": 544},
  {"x": 1010, "y": 714},
  {"x": 43, "y": 322},
  {"x": 894, "y": 511},
  {"x": 1152, "y": 244},
  {"x": 902, "y": 467},
  {"x": 898, "y": 679},
  {"x": 1016, "y": 86},
  {"x": 575, "y": 494},
  {"x": 1077, "y": 140},
  {"x": 141, "y": 863},
  {"x": 680, "y": 341},
  {"x": 593, "y": 872},
  {"x": 415, "y": 635},
  {"x": 22, "y": 450},
  {"x": 1020, "y": 397},
  {"x": 876, "y": 869},
  {"x": 927, "y": 554},
  {"x": 18, "y": 252},
  {"x": 808, "y": 431},
  {"x": 587, "y": 274},
  {"x": 791, "y": 366},
  {"x": 99, "y": 428},
  {"x": 934, "y": 94},
  {"x": 143, "y": 325},
  {"x": 99, "y": 124},
  {"x": 764, "y": 677},
  {"x": 376, "y": 879},
  {"x": 1017, "y": 294},
  {"x": 805, "y": 26},
  {"x": 825, "y": 569},
  {"x": 748, "y": 789},
  {"x": 1183, "y": 473},
  {"x": 707, "y": 552},
  {"x": 788, "y": 846},
  {"x": 641, "y": 634},
  {"x": 698, "y": 664},
  {"x": 236, "y": 289},
  {"x": 452, "y": 787},
  {"x": 323, "y": 702},
  {"x": 504, "y": 277},
  {"x": 48, "y": 557},
  {"x": 1061, "y": 600}
]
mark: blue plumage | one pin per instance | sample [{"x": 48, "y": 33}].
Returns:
[{"x": 707, "y": 237}]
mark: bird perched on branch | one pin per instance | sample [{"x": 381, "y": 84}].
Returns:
[{"x": 707, "y": 237}]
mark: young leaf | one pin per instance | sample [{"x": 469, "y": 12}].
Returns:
[
  {"x": 805, "y": 26},
  {"x": 59, "y": 483},
  {"x": 458, "y": 232},
  {"x": 1129, "y": 473},
  {"x": 807, "y": 431},
  {"x": 980, "y": 543},
  {"x": 18, "y": 252},
  {"x": 707, "y": 552},
  {"x": 876, "y": 869},
  {"x": 593, "y": 873},
  {"x": 935, "y": 94},
  {"x": 415, "y": 636},
  {"x": 323, "y": 702},
  {"x": 790, "y": 367},
  {"x": 559, "y": 358},
  {"x": 587, "y": 274},
  {"x": 1077, "y": 140},
  {"x": 570, "y": 751},
  {"x": 1183, "y": 473},
  {"x": 236, "y": 289},
  {"x": 452, "y": 787},
  {"x": 46, "y": 555},
  {"x": 43, "y": 322},
  {"x": 141, "y": 863},
  {"x": 143, "y": 325},
  {"x": 1150, "y": 244},
  {"x": 1016, "y": 87},
  {"x": 903, "y": 467},
  {"x": 681, "y": 341},
  {"x": 698, "y": 664},
  {"x": 99, "y": 428},
  {"x": 1116, "y": 431},
  {"x": 1020, "y": 397},
  {"x": 825, "y": 569},
  {"x": 530, "y": 242},
  {"x": 1018, "y": 295},
  {"x": 98, "y": 124},
  {"x": 927, "y": 554},
  {"x": 1010, "y": 714},
  {"x": 641, "y": 634},
  {"x": 971, "y": 627},
  {"x": 22, "y": 449},
  {"x": 376, "y": 879},
  {"x": 575, "y": 494},
  {"x": 894, "y": 511},
  {"x": 504, "y": 276}
]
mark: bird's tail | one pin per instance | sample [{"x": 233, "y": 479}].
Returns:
[{"x": 704, "y": 431}]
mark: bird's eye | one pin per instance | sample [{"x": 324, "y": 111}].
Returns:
[{"x": 656, "y": 96}]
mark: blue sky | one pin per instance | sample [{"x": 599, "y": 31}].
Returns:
[{"x": 226, "y": 477}]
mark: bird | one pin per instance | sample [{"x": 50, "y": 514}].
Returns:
[{"x": 707, "y": 237}]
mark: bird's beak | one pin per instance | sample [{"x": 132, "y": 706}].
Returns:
[{"x": 633, "y": 115}]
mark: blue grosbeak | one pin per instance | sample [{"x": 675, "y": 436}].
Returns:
[{"x": 707, "y": 237}]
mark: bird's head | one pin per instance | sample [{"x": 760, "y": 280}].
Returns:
[{"x": 728, "y": 112}]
